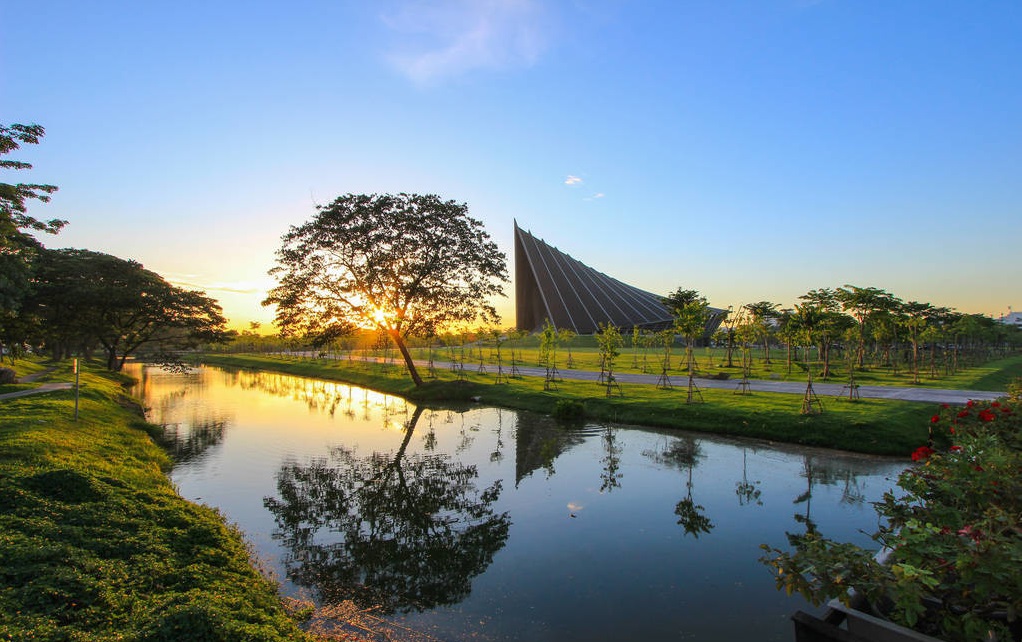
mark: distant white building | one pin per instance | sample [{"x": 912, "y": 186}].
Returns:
[{"x": 1012, "y": 318}]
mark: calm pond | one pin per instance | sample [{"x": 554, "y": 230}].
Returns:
[{"x": 498, "y": 525}]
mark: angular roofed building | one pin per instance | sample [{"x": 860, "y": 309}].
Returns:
[{"x": 549, "y": 284}]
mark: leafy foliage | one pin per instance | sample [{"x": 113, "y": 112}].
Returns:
[
  {"x": 18, "y": 247},
  {"x": 954, "y": 562},
  {"x": 407, "y": 264},
  {"x": 86, "y": 298}
]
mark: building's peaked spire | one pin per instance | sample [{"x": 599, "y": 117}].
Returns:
[{"x": 549, "y": 284}]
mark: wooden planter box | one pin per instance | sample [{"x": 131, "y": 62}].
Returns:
[{"x": 845, "y": 624}]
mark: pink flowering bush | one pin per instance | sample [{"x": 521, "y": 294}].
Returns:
[{"x": 952, "y": 535}]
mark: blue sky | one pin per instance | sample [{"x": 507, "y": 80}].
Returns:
[{"x": 749, "y": 150}]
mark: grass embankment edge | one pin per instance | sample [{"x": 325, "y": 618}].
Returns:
[
  {"x": 95, "y": 542},
  {"x": 871, "y": 426}
]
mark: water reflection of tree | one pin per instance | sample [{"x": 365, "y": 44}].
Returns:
[
  {"x": 684, "y": 453},
  {"x": 411, "y": 530},
  {"x": 830, "y": 471},
  {"x": 748, "y": 492},
  {"x": 190, "y": 440},
  {"x": 498, "y": 449},
  {"x": 318, "y": 395},
  {"x": 539, "y": 441},
  {"x": 609, "y": 475}
]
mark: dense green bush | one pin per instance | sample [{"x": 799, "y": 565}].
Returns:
[
  {"x": 953, "y": 564},
  {"x": 568, "y": 409}
]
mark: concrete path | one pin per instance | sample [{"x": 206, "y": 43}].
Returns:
[
  {"x": 46, "y": 387},
  {"x": 899, "y": 393}
]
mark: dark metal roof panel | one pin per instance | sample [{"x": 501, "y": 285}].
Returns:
[{"x": 574, "y": 295}]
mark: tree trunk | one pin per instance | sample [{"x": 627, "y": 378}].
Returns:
[
  {"x": 396, "y": 336},
  {"x": 111, "y": 359}
]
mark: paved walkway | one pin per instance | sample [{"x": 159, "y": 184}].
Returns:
[
  {"x": 46, "y": 387},
  {"x": 899, "y": 393}
]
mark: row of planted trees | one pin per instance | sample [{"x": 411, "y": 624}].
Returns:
[
  {"x": 860, "y": 328},
  {"x": 869, "y": 327}
]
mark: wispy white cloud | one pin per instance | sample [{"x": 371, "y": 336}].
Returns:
[
  {"x": 572, "y": 180},
  {"x": 598, "y": 195},
  {"x": 444, "y": 38},
  {"x": 594, "y": 196},
  {"x": 194, "y": 282}
]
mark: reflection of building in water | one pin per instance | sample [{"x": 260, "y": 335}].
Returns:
[{"x": 539, "y": 440}]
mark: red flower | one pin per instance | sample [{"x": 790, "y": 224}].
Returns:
[
  {"x": 987, "y": 415},
  {"x": 996, "y": 404},
  {"x": 944, "y": 405},
  {"x": 921, "y": 453},
  {"x": 955, "y": 448},
  {"x": 963, "y": 413},
  {"x": 970, "y": 403},
  {"x": 934, "y": 419}
]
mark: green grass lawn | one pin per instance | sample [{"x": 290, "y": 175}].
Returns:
[
  {"x": 871, "y": 426},
  {"x": 95, "y": 544}
]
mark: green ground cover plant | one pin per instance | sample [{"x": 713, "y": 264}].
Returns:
[
  {"x": 870, "y": 426},
  {"x": 95, "y": 544}
]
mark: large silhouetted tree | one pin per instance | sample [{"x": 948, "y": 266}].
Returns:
[
  {"x": 405, "y": 264},
  {"x": 84, "y": 298}
]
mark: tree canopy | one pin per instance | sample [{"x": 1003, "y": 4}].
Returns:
[
  {"x": 85, "y": 299},
  {"x": 404, "y": 264},
  {"x": 18, "y": 248}
]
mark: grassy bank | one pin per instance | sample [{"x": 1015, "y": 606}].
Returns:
[
  {"x": 868, "y": 426},
  {"x": 95, "y": 544}
]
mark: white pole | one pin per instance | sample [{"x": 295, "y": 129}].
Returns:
[{"x": 76, "y": 388}]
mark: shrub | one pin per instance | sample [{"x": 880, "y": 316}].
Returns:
[
  {"x": 7, "y": 375},
  {"x": 953, "y": 546},
  {"x": 1015, "y": 390},
  {"x": 568, "y": 409}
]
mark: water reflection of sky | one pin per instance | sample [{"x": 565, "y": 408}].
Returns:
[{"x": 611, "y": 532}]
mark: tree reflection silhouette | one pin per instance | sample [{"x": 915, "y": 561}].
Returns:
[
  {"x": 747, "y": 492},
  {"x": 200, "y": 434},
  {"x": 389, "y": 530},
  {"x": 684, "y": 453},
  {"x": 609, "y": 475}
]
